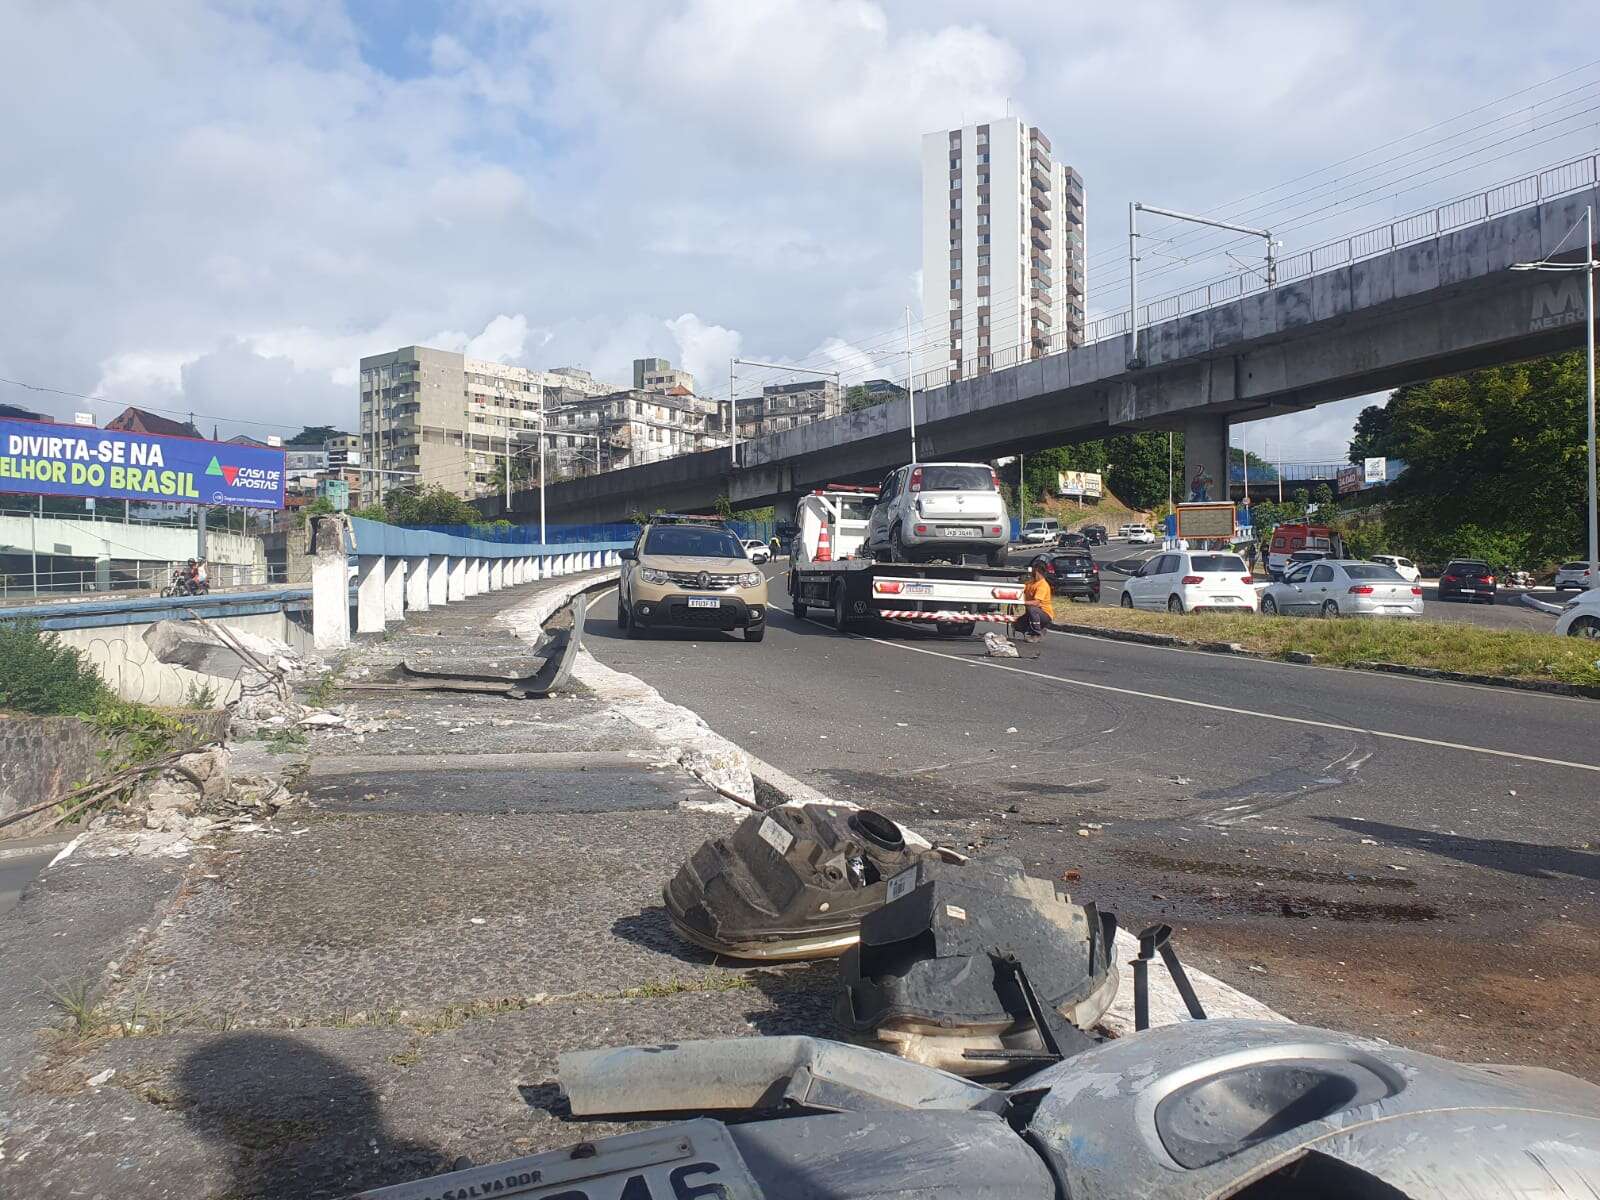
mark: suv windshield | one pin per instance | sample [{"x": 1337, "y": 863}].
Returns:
[
  {"x": 692, "y": 542},
  {"x": 947, "y": 478},
  {"x": 1360, "y": 571},
  {"x": 1215, "y": 564}
]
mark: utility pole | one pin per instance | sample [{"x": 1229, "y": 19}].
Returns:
[
  {"x": 733, "y": 415},
  {"x": 911, "y": 386},
  {"x": 1587, "y": 266},
  {"x": 1170, "y": 505},
  {"x": 1134, "y": 209}
]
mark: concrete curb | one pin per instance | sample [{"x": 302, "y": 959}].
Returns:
[{"x": 1172, "y": 642}]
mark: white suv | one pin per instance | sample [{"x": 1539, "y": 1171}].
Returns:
[
  {"x": 1186, "y": 580},
  {"x": 1041, "y": 529},
  {"x": 939, "y": 510}
]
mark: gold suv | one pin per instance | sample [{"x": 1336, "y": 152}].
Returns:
[{"x": 683, "y": 574}]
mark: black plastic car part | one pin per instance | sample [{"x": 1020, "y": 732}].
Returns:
[
  {"x": 789, "y": 883},
  {"x": 978, "y": 968}
]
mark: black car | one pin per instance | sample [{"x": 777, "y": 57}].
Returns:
[
  {"x": 1467, "y": 579},
  {"x": 1073, "y": 574},
  {"x": 1073, "y": 541},
  {"x": 1095, "y": 533}
]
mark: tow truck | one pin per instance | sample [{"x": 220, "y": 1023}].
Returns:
[{"x": 830, "y": 570}]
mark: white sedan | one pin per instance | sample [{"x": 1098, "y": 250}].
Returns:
[
  {"x": 1141, "y": 537},
  {"x": 1183, "y": 581},
  {"x": 1581, "y": 616},
  {"x": 757, "y": 551},
  {"x": 1342, "y": 588}
]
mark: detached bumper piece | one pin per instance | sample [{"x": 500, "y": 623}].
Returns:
[
  {"x": 979, "y": 969},
  {"x": 791, "y": 883}
]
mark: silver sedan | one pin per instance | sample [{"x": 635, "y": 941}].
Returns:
[{"x": 1342, "y": 588}]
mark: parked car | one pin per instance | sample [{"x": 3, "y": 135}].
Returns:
[
  {"x": 688, "y": 575},
  {"x": 1467, "y": 578},
  {"x": 1185, "y": 581},
  {"x": 1574, "y": 575},
  {"x": 1343, "y": 587},
  {"x": 1581, "y": 616},
  {"x": 939, "y": 510},
  {"x": 758, "y": 550},
  {"x": 1040, "y": 529},
  {"x": 1140, "y": 536},
  {"x": 1095, "y": 533},
  {"x": 1403, "y": 567},
  {"x": 1072, "y": 574}
]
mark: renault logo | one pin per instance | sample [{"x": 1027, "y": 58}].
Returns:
[{"x": 705, "y": 580}]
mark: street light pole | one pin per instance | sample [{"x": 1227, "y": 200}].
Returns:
[
  {"x": 911, "y": 387},
  {"x": 1587, "y": 266}
]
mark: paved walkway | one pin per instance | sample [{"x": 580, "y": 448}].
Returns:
[{"x": 373, "y": 985}]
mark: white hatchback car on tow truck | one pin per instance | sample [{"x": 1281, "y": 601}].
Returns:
[{"x": 1187, "y": 580}]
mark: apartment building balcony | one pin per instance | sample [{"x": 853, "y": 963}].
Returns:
[
  {"x": 1040, "y": 238},
  {"x": 983, "y": 209},
  {"x": 1074, "y": 284},
  {"x": 1037, "y": 137},
  {"x": 1075, "y": 215},
  {"x": 1041, "y": 316},
  {"x": 1039, "y": 217}
]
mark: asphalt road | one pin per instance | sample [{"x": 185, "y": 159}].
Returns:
[
  {"x": 1410, "y": 858},
  {"x": 1507, "y": 612},
  {"x": 20, "y": 861}
]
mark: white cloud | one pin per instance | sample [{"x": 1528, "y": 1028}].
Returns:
[
  {"x": 269, "y": 191},
  {"x": 703, "y": 349}
]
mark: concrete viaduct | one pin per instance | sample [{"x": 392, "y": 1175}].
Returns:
[{"x": 1434, "y": 306}]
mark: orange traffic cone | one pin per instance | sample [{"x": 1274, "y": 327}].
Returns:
[{"x": 824, "y": 544}]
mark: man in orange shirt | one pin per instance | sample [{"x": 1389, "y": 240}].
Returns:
[{"x": 1038, "y": 596}]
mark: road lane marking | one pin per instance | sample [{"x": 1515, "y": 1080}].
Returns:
[{"x": 1224, "y": 708}]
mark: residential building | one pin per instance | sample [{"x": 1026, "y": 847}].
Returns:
[
  {"x": 625, "y": 429},
  {"x": 138, "y": 420},
  {"x": 659, "y": 375},
  {"x": 1003, "y": 262},
  {"x": 783, "y": 406},
  {"x": 12, "y": 412},
  {"x": 435, "y": 417},
  {"x": 343, "y": 450}
]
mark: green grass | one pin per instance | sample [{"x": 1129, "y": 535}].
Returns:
[{"x": 1445, "y": 646}]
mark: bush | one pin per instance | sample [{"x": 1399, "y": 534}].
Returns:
[{"x": 39, "y": 675}]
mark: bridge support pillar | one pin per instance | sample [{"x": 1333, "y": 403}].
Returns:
[
  {"x": 438, "y": 580},
  {"x": 330, "y": 585},
  {"x": 456, "y": 581},
  {"x": 417, "y": 583},
  {"x": 483, "y": 574},
  {"x": 394, "y": 588},
  {"x": 784, "y": 509},
  {"x": 1205, "y": 459},
  {"x": 472, "y": 588},
  {"x": 370, "y": 572}
]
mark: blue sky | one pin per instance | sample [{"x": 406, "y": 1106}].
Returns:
[{"x": 224, "y": 204}]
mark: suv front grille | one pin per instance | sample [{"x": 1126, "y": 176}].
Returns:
[{"x": 704, "y": 581}]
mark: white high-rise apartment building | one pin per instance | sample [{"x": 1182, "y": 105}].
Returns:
[{"x": 1003, "y": 266}]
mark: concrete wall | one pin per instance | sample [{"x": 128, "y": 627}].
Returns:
[
  {"x": 44, "y": 757},
  {"x": 60, "y": 536},
  {"x": 124, "y": 660}
]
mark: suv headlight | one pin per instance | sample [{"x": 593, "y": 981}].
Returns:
[
  {"x": 651, "y": 575},
  {"x": 750, "y": 579}
]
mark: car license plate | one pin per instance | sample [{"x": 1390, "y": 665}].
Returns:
[
  {"x": 957, "y": 531},
  {"x": 704, "y": 602},
  {"x": 919, "y": 589},
  {"x": 692, "y": 1158},
  {"x": 1073, "y": 575}
]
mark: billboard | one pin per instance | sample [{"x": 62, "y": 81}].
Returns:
[
  {"x": 1375, "y": 470},
  {"x": 1206, "y": 522},
  {"x": 1078, "y": 483},
  {"x": 1349, "y": 480},
  {"x": 71, "y": 460}
]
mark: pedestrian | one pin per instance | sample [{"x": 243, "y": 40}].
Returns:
[
  {"x": 1038, "y": 596},
  {"x": 777, "y": 546},
  {"x": 201, "y": 579}
]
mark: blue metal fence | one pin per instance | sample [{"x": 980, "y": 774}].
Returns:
[{"x": 616, "y": 531}]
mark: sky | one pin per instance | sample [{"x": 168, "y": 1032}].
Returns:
[{"x": 220, "y": 206}]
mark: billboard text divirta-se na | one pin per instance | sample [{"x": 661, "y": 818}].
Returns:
[{"x": 72, "y": 460}]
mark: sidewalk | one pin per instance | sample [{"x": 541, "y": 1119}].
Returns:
[{"x": 365, "y": 989}]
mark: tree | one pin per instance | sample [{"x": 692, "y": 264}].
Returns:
[
  {"x": 1137, "y": 468},
  {"x": 1374, "y": 429},
  {"x": 1260, "y": 469},
  {"x": 1323, "y": 496},
  {"x": 432, "y": 505},
  {"x": 857, "y": 396},
  {"x": 1494, "y": 461},
  {"x": 314, "y": 435}
]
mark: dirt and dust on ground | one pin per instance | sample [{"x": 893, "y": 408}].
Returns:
[
  {"x": 358, "y": 987},
  {"x": 1472, "y": 948}
]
